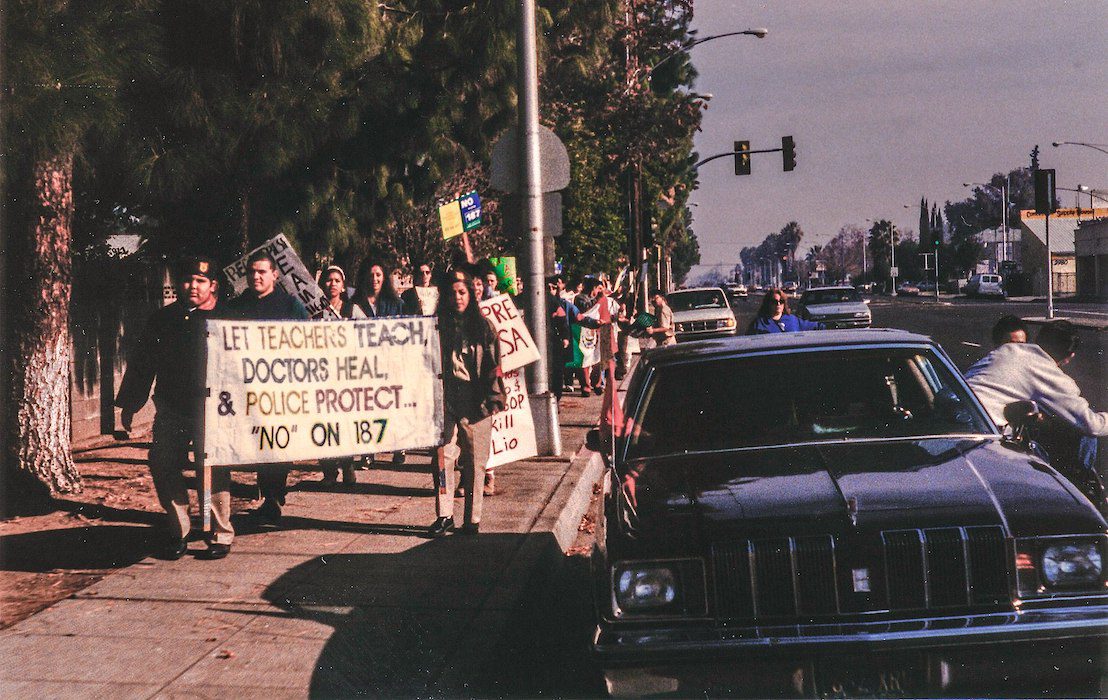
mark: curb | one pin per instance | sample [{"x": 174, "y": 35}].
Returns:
[{"x": 1084, "y": 323}]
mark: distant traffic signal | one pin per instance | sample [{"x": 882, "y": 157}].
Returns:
[
  {"x": 1044, "y": 191},
  {"x": 788, "y": 152},
  {"x": 742, "y": 157}
]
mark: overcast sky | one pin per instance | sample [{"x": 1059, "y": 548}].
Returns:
[{"x": 889, "y": 102}]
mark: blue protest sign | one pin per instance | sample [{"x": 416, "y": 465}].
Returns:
[{"x": 471, "y": 210}]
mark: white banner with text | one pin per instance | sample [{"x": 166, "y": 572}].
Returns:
[
  {"x": 285, "y": 391},
  {"x": 513, "y": 429}
]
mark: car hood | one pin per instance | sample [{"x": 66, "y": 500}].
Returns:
[
  {"x": 848, "y": 307},
  {"x": 701, "y": 315},
  {"x": 860, "y": 487}
]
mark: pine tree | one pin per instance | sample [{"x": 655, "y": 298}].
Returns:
[{"x": 66, "y": 66}]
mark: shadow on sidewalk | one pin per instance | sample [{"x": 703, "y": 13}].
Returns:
[
  {"x": 401, "y": 620},
  {"x": 89, "y": 547}
]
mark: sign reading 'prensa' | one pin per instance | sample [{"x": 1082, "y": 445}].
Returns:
[
  {"x": 284, "y": 391},
  {"x": 517, "y": 347}
]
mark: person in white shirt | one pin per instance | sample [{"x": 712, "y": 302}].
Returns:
[{"x": 1033, "y": 372}]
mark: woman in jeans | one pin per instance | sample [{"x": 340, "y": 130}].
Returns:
[
  {"x": 473, "y": 390},
  {"x": 338, "y": 308}
]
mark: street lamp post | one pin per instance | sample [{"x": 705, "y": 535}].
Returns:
[
  {"x": 1004, "y": 192},
  {"x": 1102, "y": 147},
  {"x": 638, "y": 258}
]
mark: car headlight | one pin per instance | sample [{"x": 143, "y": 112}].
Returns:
[
  {"x": 861, "y": 314},
  {"x": 726, "y": 323},
  {"x": 1067, "y": 565},
  {"x": 673, "y": 587},
  {"x": 680, "y": 327},
  {"x": 653, "y": 587},
  {"x": 1047, "y": 566}
]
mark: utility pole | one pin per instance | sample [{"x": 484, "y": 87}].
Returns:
[{"x": 543, "y": 404}]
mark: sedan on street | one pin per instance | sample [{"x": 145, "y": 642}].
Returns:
[
  {"x": 835, "y": 307},
  {"x": 834, "y": 514}
]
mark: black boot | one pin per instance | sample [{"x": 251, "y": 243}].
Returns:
[{"x": 440, "y": 527}]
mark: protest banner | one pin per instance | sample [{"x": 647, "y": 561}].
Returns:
[
  {"x": 513, "y": 429},
  {"x": 282, "y": 391},
  {"x": 294, "y": 279},
  {"x": 517, "y": 347}
]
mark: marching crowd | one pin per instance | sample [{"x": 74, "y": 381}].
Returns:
[{"x": 165, "y": 360}]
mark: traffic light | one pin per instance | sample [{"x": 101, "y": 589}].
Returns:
[
  {"x": 742, "y": 157},
  {"x": 788, "y": 152},
  {"x": 1044, "y": 191}
]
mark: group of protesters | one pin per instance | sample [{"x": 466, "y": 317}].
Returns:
[{"x": 165, "y": 360}]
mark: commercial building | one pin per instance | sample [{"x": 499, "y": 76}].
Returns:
[
  {"x": 1063, "y": 255},
  {"x": 1091, "y": 249}
]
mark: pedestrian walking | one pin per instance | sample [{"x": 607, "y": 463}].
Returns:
[
  {"x": 338, "y": 307},
  {"x": 663, "y": 331},
  {"x": 263, "y": 300},
  {"x": 377, "y": 298},
  {"x": 167, "y": 359},
  {"x": 473, "y": 390},
  {"x": 422, "y": 299}
]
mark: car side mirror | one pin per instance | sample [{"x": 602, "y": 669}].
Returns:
[
  {"x": 593, "y": 440},
  {"x": 1020, "y": 413},
  {"x": 866, "y": 302}
]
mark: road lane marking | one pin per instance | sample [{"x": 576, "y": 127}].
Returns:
[{"x": 972, "y": 345}]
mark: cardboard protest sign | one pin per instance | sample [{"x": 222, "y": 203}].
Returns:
[
  {"x": 450, "y": 218},
  {"x": 506, "y": 274},
  {"x": 513, "y": 429},
  {"x": 294, "y": 279},
  {"x": 282, "y": 391},
  {"x": 517, "y": 347}
]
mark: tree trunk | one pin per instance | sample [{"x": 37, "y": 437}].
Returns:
[{"x": 39, "y": 419}]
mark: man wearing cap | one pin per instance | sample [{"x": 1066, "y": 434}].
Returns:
[
  {"x": 167, "y": 358},
  {"x": 263, "y": 300}
]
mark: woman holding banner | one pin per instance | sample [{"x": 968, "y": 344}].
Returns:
[
  {"x": 377, "y": 298},
  {"x": 337, "y": 308},
  {"x": 473, "y": 390}
]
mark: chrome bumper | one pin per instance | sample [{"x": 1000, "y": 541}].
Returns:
[{"x": 618, "y": 646}]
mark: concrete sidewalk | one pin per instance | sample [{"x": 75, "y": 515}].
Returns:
[{"x": 347, "y": 597}]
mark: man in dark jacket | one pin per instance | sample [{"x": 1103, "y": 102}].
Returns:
[
  {"x": 263, "y": 300},
  {"x": 168, "y": 355}
]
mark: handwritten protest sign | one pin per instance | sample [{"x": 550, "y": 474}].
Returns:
[
  {"x": 295, "y": 278},
  {"x": 517, "y": 347},
  {"x": 450, "y": 218},
  {"x": 282, "y": 391},
  {"x": 513, "y": 429}
]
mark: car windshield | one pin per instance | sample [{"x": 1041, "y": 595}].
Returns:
[
  {"x": 697, "y": 299},
  {"x": 830, "y": 296},
  {"x": 819, "y": 395}
]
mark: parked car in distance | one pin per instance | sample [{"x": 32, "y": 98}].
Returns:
[
  {"x": 834, "y": 514},
  {"x": 864, "y": 287},
  {"x": 985, "y": 285},
  {"x": 835, "y": 307},
  {"x": 791, "y": 288},
  {"x": 926, "y": 286},
  {"x": 737, "y": 290},
  {"x": 908, "y": 289},
  {"x": 701, "y": 312}
]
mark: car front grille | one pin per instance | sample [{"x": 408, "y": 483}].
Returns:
[
  {"x": 700, "y": 326},
  {"x": 907, "y": 570}
]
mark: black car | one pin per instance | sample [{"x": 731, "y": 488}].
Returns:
[{"x": 832, "y": 513}]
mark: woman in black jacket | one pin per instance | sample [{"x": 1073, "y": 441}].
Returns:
[{"x": 473, "y": 390}]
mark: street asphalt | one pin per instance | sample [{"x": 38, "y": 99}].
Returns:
[{"x": 347, "y": 597}]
